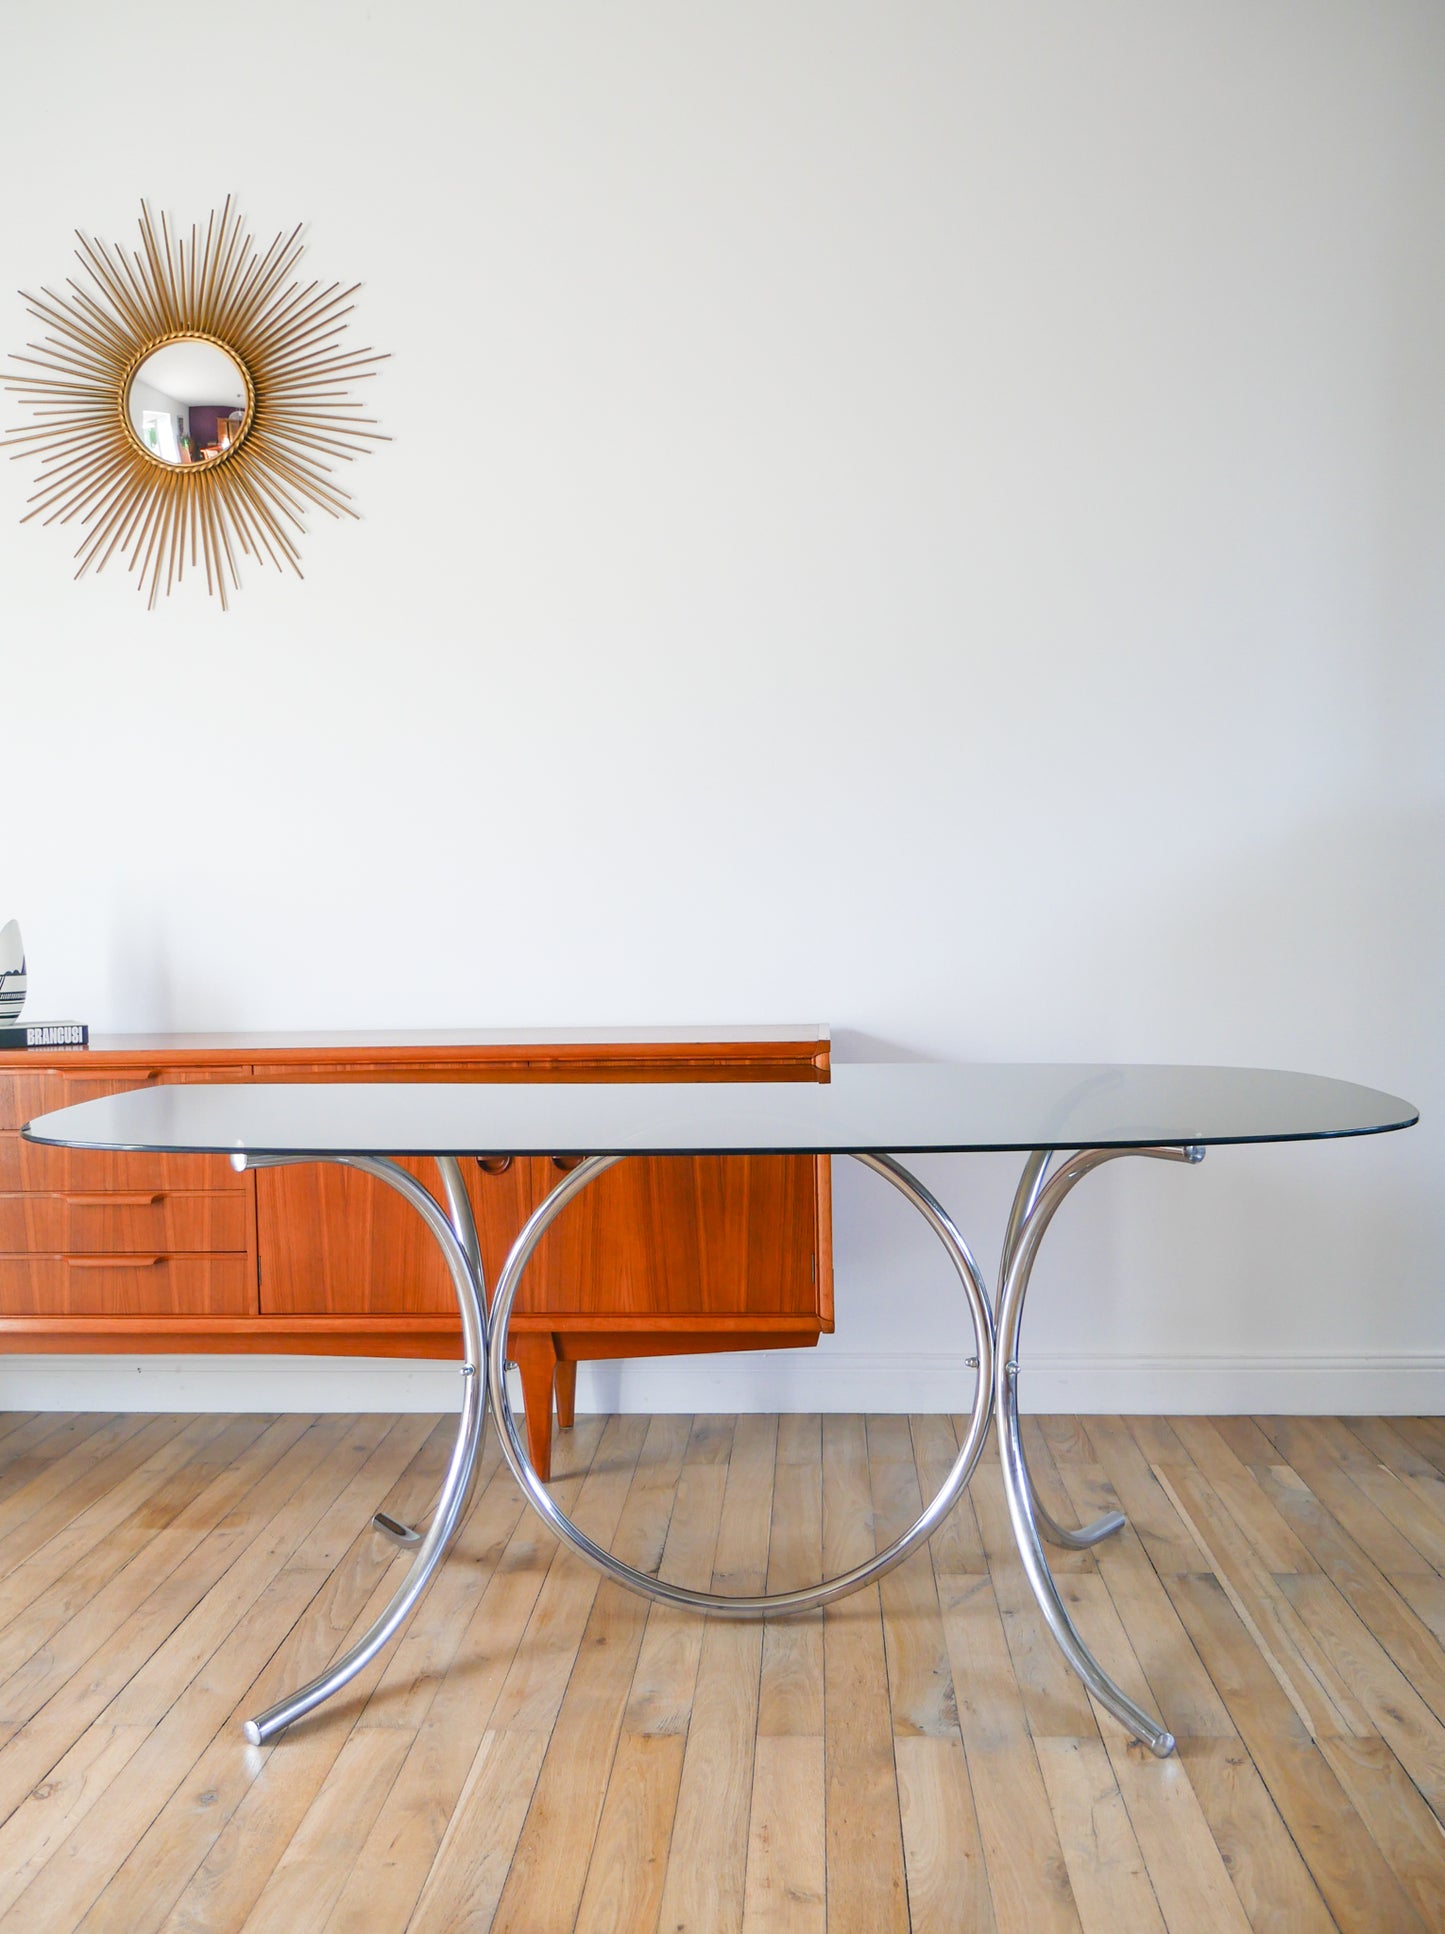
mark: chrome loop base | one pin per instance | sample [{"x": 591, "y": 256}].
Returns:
[
  {"x": 755, "y": 1604},
  {"x": 1035, "y": 1205},
  {"x": 456, "y": 1234}
]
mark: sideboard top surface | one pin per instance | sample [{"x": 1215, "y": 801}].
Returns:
[{"x": 561, "y": 1043}]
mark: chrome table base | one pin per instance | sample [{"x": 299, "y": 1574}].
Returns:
[{"x": 996, "y": 1358}]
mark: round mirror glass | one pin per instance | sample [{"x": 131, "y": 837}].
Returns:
[{"x": 189, "y": 402}]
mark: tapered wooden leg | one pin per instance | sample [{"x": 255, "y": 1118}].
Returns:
[
  {"x": 536, "y": 1360},
  {"x": 566, "y": 1381}
]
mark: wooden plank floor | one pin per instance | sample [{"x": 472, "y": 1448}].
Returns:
[{"x": 543, "y": 1751}]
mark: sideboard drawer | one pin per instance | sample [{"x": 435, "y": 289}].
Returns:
[
  {"x": 124, "y": 1221},
  {"x": 29, "y": 1165},
  {"x": 74, "y": 1285},
  {"x": 26, "y": 1092}
]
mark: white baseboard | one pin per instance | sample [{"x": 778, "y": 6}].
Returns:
[{"x": 824, "y": 1379}]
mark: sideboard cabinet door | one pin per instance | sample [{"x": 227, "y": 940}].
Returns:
[
  {"x": 683, "y": 1235},
  {"x": 336, "y": 1242}
]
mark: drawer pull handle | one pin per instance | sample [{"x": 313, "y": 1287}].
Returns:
[
  {"x": 566, "y": 1162},
  {"x": 117, "y": 1201},
  {"x": 494, "y": 1164},
  {"x": 112, "y": 1262},
  {"x": 137, "y": 1075}
]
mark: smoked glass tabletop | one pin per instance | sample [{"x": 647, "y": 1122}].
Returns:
[{"x": 908, "y": 1108}]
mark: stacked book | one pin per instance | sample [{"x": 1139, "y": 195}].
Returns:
[{"x": 44, "y": 1034}]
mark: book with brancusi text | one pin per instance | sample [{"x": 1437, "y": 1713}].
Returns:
[{"x": 44, "y": 1034}]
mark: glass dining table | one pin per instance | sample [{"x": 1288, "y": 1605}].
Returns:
[{"x": 1065, "y": 1120}]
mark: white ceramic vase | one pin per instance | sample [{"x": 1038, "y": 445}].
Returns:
[{"x": 12, "y": 972}]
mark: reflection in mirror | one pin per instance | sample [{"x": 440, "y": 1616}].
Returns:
[{"x": 189, "y": 402}]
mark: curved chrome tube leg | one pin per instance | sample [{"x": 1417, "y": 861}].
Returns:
[
  {"x": 1023, "y": 1512},
  {"x": 758, "y": 1603},
  {"x": 1026, "y": 1195},
  {"x": 457, "y": 1485},
  {"x": 464, "y": 1226}
]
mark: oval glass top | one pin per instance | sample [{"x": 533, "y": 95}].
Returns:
[{"x": 913, "y": 1108}]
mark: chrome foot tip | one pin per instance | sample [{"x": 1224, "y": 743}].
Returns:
[
  {"x": 252, "y": 1732},
  {"x": 393, "y": 1528},
  {"x": 1162, "y": 1746}
]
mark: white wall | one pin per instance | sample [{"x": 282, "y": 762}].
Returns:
[{"x": 941, "y": 533}]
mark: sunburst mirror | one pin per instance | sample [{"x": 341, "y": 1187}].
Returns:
[{"x": 188, "y": 400}]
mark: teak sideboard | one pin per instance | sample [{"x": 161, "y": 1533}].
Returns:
[{"x": 180, "y": 1253}]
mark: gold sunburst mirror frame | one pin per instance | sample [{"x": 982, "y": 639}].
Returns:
[{"x": 213, "y": 311}]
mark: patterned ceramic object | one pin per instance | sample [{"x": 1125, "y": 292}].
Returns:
[{"x": 12, "y": 972}]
